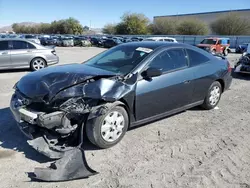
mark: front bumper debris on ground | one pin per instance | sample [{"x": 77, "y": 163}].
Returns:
[{"x": 72, "y": 166}]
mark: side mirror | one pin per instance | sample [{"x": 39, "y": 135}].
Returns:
[{"x": 151, "y": 72}]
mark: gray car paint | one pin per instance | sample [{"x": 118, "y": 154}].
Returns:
[{"x": 23, "y": 57}]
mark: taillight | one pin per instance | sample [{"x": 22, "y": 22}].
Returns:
[
  {"x": 53, "y": 52},
  {"x": 229, "y": 68}
]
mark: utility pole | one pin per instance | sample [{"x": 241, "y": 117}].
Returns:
[{"x": 89, "y": 24}]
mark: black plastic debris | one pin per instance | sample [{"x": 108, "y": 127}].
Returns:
[{"x": 72, "y": 166}]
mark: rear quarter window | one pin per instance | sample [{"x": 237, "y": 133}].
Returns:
[
  {"x": 31, "y": 46},
  {"x": 196, "y": 58}
]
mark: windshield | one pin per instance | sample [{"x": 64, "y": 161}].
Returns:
[
  {"x": 209, "y": 41},
  {"x": 120, "y": 60}
]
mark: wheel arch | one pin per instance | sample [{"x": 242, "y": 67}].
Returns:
[
  {"x": 222, "y": 83},
  {"x": 122, "y": 102}
]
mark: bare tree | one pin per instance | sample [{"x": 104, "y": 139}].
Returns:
[
  {"x": 192, "y": 27},
  {"x": 231, "y": 24}
]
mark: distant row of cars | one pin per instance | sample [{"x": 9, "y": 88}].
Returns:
[{"x": 213, "y": 45}]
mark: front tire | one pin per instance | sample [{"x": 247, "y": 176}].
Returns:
[
  {"x": 213, "y": 52},
  {"x": 213, "y": 96},
  {"x": 225, "y": 52},
  {"x": 109, "y": 129}
]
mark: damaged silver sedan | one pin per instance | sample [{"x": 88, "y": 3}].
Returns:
[{"x": 128, "y": 85}]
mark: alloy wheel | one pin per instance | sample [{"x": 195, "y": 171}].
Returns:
[
  {"x": 38, "y": 64},
  {"x": 214, "y": 95}
]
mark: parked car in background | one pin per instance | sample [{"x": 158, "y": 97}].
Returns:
[
  {"x": 241, "y": 48},
  {"x": 96, "y": 41},
  {"x": 65, "y": 41},
  {"x": 20, "y": 53},
  {"x": 32, "y": 38},
  {"x": 49, "y": 41},
  {"x": 81, "y": 41},
  {"x": 243, "y": 65},
  {"x": 136, "y": 39},
  {"x": 216, "y": 45},
  {"x": 166, "y": 39},
  {"x": 109, "y": 43}
]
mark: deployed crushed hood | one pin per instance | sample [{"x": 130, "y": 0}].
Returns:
[{"x": 49, "y": 81}]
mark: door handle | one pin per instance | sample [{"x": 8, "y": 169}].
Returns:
[
  {"x": 4, "y": 53},
  {"x": 29, "y": 51},
  {"x": 186, "y": 82}
]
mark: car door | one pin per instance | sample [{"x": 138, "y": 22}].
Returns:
[
  {"x": 4, "y": 54},
  {"x": 203, "y": 73},
  {"x": 172, "y": 90},
  {"x": 21, "y": 53}
]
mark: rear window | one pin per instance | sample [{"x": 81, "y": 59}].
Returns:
[
  {"x": 31, "y": 46},
  {"x": 4, "y": 45},
  {"x": 209, "y": 41},
  {"x": 196, "y": 58}
]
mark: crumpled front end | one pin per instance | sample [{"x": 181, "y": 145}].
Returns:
[
  {"x": 53, "y": 130},
  {"x": 55, "y": 126}
]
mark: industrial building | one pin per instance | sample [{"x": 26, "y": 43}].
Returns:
[{"x": 207, "y": 17}]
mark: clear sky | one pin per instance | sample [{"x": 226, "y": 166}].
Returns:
[{"x": 100, "y": 12}]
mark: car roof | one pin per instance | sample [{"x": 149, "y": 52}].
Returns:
[{"x": 154, "y": 44}]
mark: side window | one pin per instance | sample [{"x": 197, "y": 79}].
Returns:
[
  {"x": 169, "y": 60},
  {"x": 31, "y": 46},
  {"x": 178, "y": 57},
  {"x": 196, "y": 58},
  {"x": 162, "y": 62},
  {"x": 19, "y": 45},
  {"x": 4, "y": 45},
  {"x": 220, "y": 42}
]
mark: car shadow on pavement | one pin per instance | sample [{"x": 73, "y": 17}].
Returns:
[
  {"x": 12, "y": 138},
  {"x": 14, "y": 70}
]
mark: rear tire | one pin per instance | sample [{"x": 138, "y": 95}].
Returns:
[
  {"x": 109, "y": 129},
  {"x": 37, "y": 64},
  {"x": 213, "y": 96}
]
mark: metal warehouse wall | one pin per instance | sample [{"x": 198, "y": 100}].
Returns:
[{"x": 207, "y": 17}]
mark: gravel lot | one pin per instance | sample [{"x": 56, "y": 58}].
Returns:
[{"x": 195, "y": 148}]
